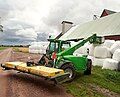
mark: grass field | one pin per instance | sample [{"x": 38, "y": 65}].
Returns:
[
  {"x": 3, "y": 48},
  {"x": 98, "y": 84},
  {"x": 21, "y": 49}
]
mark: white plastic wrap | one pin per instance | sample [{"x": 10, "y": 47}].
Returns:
[
  {"x": 98, "y": 62},
  {"x": 110, "y": 64},
  {"x": 92, "y": 58},
  {"x": 115, "y": 46},
  {"x": 77, "y": 54},
  {"x": 82, "y": 50},
  {"x": 116, "y": 55},
  {"x": 102, "y": 52},
  {"x": 38, "y": 47},
  {"x": 91, "y": 49},
  {"x": 109, "y": 43}
]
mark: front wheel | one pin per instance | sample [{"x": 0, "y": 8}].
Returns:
[{"x": 69, "y": 68}]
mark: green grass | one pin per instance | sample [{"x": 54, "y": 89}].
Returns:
[
  {"x": 3, "y": 48},
  {"x": 88, "y": 86}
]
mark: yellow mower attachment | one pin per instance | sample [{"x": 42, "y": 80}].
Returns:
[
  {"x": 11, "y": 65},
  {"x": 45, "y": 71},
  {"x": 57, "y": 75},
  {"x": 23, "y": 67}
]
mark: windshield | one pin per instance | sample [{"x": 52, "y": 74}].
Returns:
[
  {"x": 65, "y": 46},
  {"x": 54, "y": 46}
]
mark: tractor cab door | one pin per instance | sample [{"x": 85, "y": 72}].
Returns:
[{"x": 53, "y": 47}]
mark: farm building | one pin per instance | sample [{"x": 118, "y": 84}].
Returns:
[
  {"x": 108, "y": 26},
  {"x": 106, "y": 55}
]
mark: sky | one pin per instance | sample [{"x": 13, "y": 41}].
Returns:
[{"x": 25, "y": 21}]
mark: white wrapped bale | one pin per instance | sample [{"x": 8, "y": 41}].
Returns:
[
  {"x": 109, "y": 43},
  {"x": 102, "y": 52},
  {"x": 116, "y": 55},
  {"x": 98, "y": 62},
  {"x": 92, "y": 58},
  {"x": 110, "y": 64},
  {"x": 77, "y": 54},
  {"x": 91, "y": 49},
  {"x": 82, "y": 50},
  {"x": 115, "y": 46}
]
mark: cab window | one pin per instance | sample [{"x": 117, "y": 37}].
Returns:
[
  {"x": 65, "y": 46},
  {"x": 54, "y": 46}
]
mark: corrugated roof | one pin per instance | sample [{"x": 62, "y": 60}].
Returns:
[{"x": 109, "y": 25}]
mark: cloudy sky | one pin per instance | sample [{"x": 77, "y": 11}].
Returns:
[{"x": 25, "y": 21}]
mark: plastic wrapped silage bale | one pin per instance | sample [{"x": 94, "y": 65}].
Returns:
[
  {"x": 102, "y": 52},
  {"x": 91, "y": 49},
  {"x": 110, "y": 64},
  {"x": 77, "y": 54},
  {"x": 98, "y": 62},
  {"x": 30, "y": 49},
  {"x": 92, "y": 58},
  {"x": 115, "y": 46},
  {"x": 109, "y": 43},
  {"x": 82, "y": 50},
  {"x": 116, "y": 55}
]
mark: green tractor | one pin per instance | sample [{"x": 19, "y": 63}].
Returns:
[{"x": 59, "y": 54}]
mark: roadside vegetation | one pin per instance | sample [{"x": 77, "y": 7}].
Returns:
[
  {"x": 21, "y": 49},
  {"x": 3, "y": 48},
  {"x": 101, "y": 83}
]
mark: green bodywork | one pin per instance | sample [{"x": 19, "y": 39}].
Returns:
[
  {"x": 78, "y": 62},
  {"x": 66, "y": 55}
]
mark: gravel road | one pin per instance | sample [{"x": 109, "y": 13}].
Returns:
[{"x": 13, "y": 84}]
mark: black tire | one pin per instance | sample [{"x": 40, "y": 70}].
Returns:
[
  {"x": 68, "y": 67},
  {"x": 89, "y": 66},
  {"x": 6, "y": 68}
]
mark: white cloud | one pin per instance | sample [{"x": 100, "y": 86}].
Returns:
[
  {"x": 29, "y": 18},
  {"x": 27, "y": 33}
]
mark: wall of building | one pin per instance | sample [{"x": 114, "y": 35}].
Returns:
[{"x": 113, "y": 37}]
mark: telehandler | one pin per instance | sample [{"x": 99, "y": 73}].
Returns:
[
  {"x": 59, "y": 63},
  {"x": 59, "y": 54}
]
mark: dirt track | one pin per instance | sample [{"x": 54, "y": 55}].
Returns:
[{"x": 13, "y": 84}]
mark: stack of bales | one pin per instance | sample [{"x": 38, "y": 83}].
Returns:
[
  {"x": 114, "y": 62},
  {"x": 101, "y": 52},
  {"x": 38, "y": 47},
  {"x": 106, "y": 55}
]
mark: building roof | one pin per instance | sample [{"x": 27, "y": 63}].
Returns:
[
  {"x": 59, "y": 35},
  {"x": 105, "y": 26},
  {"x": 107, "y": 12}
]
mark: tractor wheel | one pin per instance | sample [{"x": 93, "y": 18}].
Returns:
[
  {"x": 6, "y": 68},
  {"x": 89, "y": 66},
  {"x": 70, "y": 69}
]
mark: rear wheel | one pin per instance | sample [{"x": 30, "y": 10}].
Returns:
[
  {"x": 68, "y": 67},
  {"x": 89, "y": 66}
]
